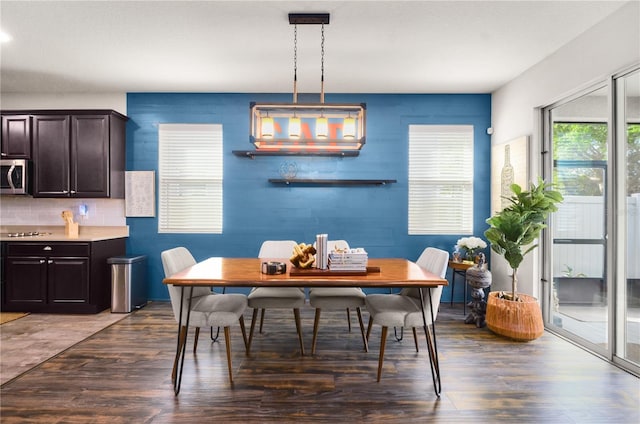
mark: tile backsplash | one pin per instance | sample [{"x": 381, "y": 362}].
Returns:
[{"x": 21, "y": 210}]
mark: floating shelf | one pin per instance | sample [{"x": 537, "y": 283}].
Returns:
[
  {"x": 301, "y": 181},
  {"x": 253, "y": 153}
]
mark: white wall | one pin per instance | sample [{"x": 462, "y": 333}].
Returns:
[
  {"x": 115, "y": 101},
  {"x": 606, "y": 48},
  {"x": 25, "y": 210}
]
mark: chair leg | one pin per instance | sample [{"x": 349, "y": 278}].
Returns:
[
  {"x": 395, "y": 334},
  {"x": 364, "y": 338},
  {"x": 296, "y": 314},
  {"x": 227, "y": 341},
  {"x": 316, "y": 324},
  {"x": 215, "y": 338},
  {"x": 261, "y": 319},
  {"x": 253, "y": 324},
  {"x": 383, "y": 341},
  {"x": 415, "y": 338},
  {"x": 195, "y": 339},
  {"x": 369, "y": 327},
  {"x": 244, "y": 334},
  {"x": 349, "y": 319},
  {"x": 181, "y": 342}
]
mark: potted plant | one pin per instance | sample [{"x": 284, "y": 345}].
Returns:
[{"x": 511, "y": 234}]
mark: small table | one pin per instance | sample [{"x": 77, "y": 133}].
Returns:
[{"x": 460, "y": 268}]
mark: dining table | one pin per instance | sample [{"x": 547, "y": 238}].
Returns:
[{"x": 393, "y": 273}]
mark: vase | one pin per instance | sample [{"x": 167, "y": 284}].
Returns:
[
  {"x": 471, "y": 256},
  {"x": 518, "y": 320}
]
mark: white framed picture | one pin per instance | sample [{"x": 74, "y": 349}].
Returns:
[
  {"x": 509, "y": 164},
  {"x": 140, "y": 193}
]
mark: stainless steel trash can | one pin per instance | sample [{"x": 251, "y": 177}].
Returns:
[{"x": 128, "y": 283}]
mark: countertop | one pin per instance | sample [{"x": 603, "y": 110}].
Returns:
[{"x": 56, "y": 233}]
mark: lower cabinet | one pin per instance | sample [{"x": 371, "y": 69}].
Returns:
[{"x": 70, "y": 277}]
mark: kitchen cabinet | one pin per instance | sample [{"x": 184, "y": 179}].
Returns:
[
  {"x": 78, "y": 154},
  {"x": 69, "y": 277},
  {"x": 16, "y": 137}
]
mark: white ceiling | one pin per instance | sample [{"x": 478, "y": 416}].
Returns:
[{"x": 247, "y": 46}]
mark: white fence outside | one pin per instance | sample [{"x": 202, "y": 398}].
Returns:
[{"x": 582, "y": 217}]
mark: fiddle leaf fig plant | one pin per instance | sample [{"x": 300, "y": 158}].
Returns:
[{"x": 513, "y": 230}]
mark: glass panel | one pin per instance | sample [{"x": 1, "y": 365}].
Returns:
[
  {"x": 628, "y": 95},
  {"x": 579, "y": 248}
]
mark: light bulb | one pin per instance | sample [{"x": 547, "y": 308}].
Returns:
[
  {"x": 294, "y": 127},
  {"x": 322, "y": 127},
  {"x": 266, "y": 127},
  {"x": 349, "y": 128}
]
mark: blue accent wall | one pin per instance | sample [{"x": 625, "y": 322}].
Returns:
[{"x": 373, "y": 217}]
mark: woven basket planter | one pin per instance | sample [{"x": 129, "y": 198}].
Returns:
[{"x": 521, "y": 321}]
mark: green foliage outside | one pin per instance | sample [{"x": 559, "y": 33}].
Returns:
[{"x": 587, "y": 141}]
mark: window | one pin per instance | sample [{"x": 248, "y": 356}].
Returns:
[
  {"x": 440, "y": 179},
  {"x": 190, "y": 174}
]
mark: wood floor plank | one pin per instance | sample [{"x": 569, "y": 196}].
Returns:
[{"x": 122, "y": 374}]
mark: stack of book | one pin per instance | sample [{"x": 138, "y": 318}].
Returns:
[{"x": 348, "y": 260}]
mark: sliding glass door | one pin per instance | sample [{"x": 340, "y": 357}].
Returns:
[
  {"x": 579, "y": 131},
  {"x": 591, "y": 255},
  {"x": 627, "y": 94}
]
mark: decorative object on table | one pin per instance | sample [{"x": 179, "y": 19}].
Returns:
[
  {"x": 303, "y": 255},
  {"x": 274, "y": 268},
  {"x": 322, "y": 256},
  {"x": 70, "y": 227},
  {"x": 457, "y": 255},
  {"x": 470, "y": 246},
  {"x": 511, "y": 234},
  {"x": 479, "y": 278},
  {"x": 349, "y": 260}
]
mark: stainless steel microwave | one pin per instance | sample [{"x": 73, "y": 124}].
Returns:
[{"x": 14, "y": 176}]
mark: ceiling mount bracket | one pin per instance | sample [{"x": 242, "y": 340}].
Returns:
[{"x": 309, "y": 18}]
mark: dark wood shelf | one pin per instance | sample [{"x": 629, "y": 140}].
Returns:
[
  {"x": 253, "y": 153},
  {"x": 301, "y": 181}
]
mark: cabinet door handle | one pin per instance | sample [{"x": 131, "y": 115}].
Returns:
[
  {"x": 50, "y": 261},
  {"x": 73, "y": 192},
  {"x": 42, "y": 261},
  {"x": 47, "y": 248}
]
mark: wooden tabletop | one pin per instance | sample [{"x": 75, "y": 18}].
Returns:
[{"x": 246, "y": 272}]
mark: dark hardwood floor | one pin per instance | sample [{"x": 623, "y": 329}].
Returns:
[{"x": 122, "y": 375}]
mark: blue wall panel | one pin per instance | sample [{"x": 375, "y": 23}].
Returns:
[{"x": 373, "y": 217}]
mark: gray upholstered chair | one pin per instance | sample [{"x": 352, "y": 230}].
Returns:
[
  {"x": 207, "y": 308},
  {"x": 276, "y": 297},
  {"x": 337, "y": 298},
  {"x": 403, "y": 309}
]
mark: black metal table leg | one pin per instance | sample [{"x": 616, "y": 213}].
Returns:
[
  {"x": 180, "y": 353},
  {"x": 432, "y": 346}
]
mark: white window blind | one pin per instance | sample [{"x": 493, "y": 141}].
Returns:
[
  {"x": 440, "y": 179},
  {"x": 190, "y": 178}
]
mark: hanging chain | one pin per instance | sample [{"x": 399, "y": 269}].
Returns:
[
  {"x": 295, "y": 63},
  {"x": 322, "y": 65},
  {"x": 322, "y": 53}
]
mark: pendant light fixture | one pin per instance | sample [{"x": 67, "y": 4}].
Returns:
[{"x": 307, "y": 127}]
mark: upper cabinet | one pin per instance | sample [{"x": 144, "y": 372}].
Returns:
[
  {"x": 16, "y": 137},
  {"x": 78, "y": 153}
]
